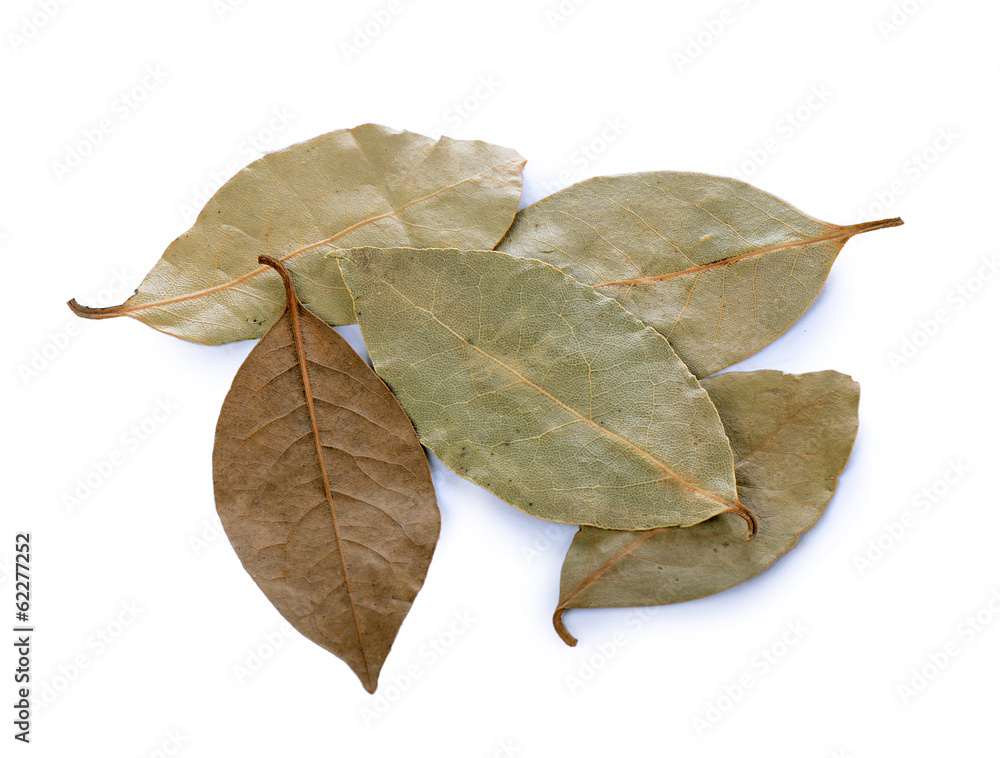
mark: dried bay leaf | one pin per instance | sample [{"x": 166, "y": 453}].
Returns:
[
  {"x": 718, "y": 267},
  {"x": 354, "y": 187},
  {"x": 791, "y": 437},
  {"x": 324, "y": 489},
  {"x": 542, "y": 391}
]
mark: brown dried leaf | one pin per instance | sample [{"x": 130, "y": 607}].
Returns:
[{"x": 324, "y": 490}]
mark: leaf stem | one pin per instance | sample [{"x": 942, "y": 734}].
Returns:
[
  {"x": 871, "y": 226},
  {"x": 85, "y": 311},
  {"x": 747, "y": 515},
  {"x": 561, "y": 630},
  {"x": 286, "y": 279}
]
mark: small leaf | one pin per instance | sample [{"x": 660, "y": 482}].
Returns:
[
  {"x": 364, "y": 186},
  {"x": 791, "y": 437},
  {"x": 323, "y": 488},
  {"x": 718, "y": 267},
  {"x": 547, "y": 394}
]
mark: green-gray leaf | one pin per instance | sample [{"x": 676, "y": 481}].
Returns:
[
  {"x": 364, "y": 186},
  {"x": 718, "y": 267},
  {"x": 539, "y": 389},
  {"x": 791, "y": 436}
]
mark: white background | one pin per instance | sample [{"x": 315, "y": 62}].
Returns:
[{"x": 907, "y": 119}]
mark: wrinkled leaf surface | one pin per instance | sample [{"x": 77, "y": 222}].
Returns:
[
  {"x": 791, "y": 436},
  {"x": 324, "y": 490},
  {"x": 718, "y": 267},
  {"x": 364, "y": 186},
  {"x": 534, "y": 386}
]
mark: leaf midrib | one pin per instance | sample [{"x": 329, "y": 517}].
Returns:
[
  {"x": 292, "y": 308},
  {"x": 839, "y": 232},
  {"x": 730, "y": 506}
]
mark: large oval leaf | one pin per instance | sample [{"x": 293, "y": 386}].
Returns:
[
  {"x": 539, "y": 389},
  {"x": 364, "y": 186},
  {"x": 791, "y": 436},
  {"x": 324, "y": 490},
  {"x": 718, "y": 267}
]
